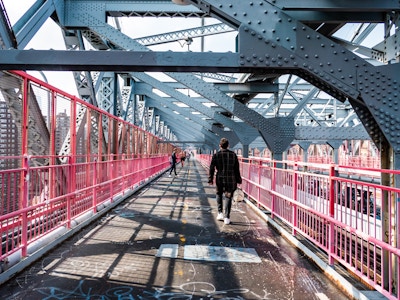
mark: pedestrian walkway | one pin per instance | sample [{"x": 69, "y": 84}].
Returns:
[{"x": 164, "y": 242}]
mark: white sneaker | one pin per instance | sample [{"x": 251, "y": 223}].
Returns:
[
  {"x": 220, "y": 217},
  {"x": 169, "y": 175},
  {"x": 227, "y": 221}
]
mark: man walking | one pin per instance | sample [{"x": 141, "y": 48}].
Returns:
[
  {"x": 228, "y": 177},
  {"x": 173, "y": 162}
]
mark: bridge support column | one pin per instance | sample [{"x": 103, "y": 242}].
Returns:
[{"x": 335, "y": 144}]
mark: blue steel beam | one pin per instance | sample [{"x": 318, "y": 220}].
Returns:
[
  {"x": 245, "y": 133},
  {"x": 7, "y": 37},
  {"x": 167, "y": 107},
  {"x": 279, "y": 41},
  {"x": 209, "y": 131},
  {"x": 29, "y": 24},
  {"x": 184, "y": 34}
]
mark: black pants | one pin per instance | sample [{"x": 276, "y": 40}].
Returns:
[
  {"x": 173, "y": 167},
  {"x": 224, "y": 205}
]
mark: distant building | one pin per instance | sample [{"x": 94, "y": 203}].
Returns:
[{"x": 62, "y": 129}]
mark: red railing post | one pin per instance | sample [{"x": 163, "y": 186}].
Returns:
[
  {"x": 273, "y": 188},
  {"x": 94, "y": 186},
  {"x": 25, "y": 173},
  {"x": 111, "y": 174},
  {"x": 294, "y": 195},
  {"x": 331, "y": 214},
  {"x": 24, "y": 205},
  {"x": 259, "y": 183},
  {"x": 70, "y": 189}
]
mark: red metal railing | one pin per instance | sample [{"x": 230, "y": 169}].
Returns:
[
  {"x": 45, "y": 190},
  {"x": 344, "y": 210}
]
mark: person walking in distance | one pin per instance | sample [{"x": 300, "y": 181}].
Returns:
[
  {"x": 227, "y": 178},
  {"x": 173, "y": 162}
]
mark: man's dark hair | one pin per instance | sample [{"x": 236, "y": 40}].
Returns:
[{"x": 224, "y": 143}]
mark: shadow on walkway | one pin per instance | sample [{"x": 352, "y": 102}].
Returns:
[{"x": 164, "y": 242}]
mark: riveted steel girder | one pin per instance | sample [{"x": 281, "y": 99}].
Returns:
[
  {"x": 245, "y": 134},
  {"x": 330, "y": 133},
  {"x": 7, "y": 37},
  {"x": 28, "y": 25},
  {"x": 281, "y": 42},
  {"x": 278, "y": 133}
]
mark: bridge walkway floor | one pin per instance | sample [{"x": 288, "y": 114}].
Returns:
[{"x": 164, "y": 242}]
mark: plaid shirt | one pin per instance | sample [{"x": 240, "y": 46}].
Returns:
[{"x": 228, "y": 173}]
